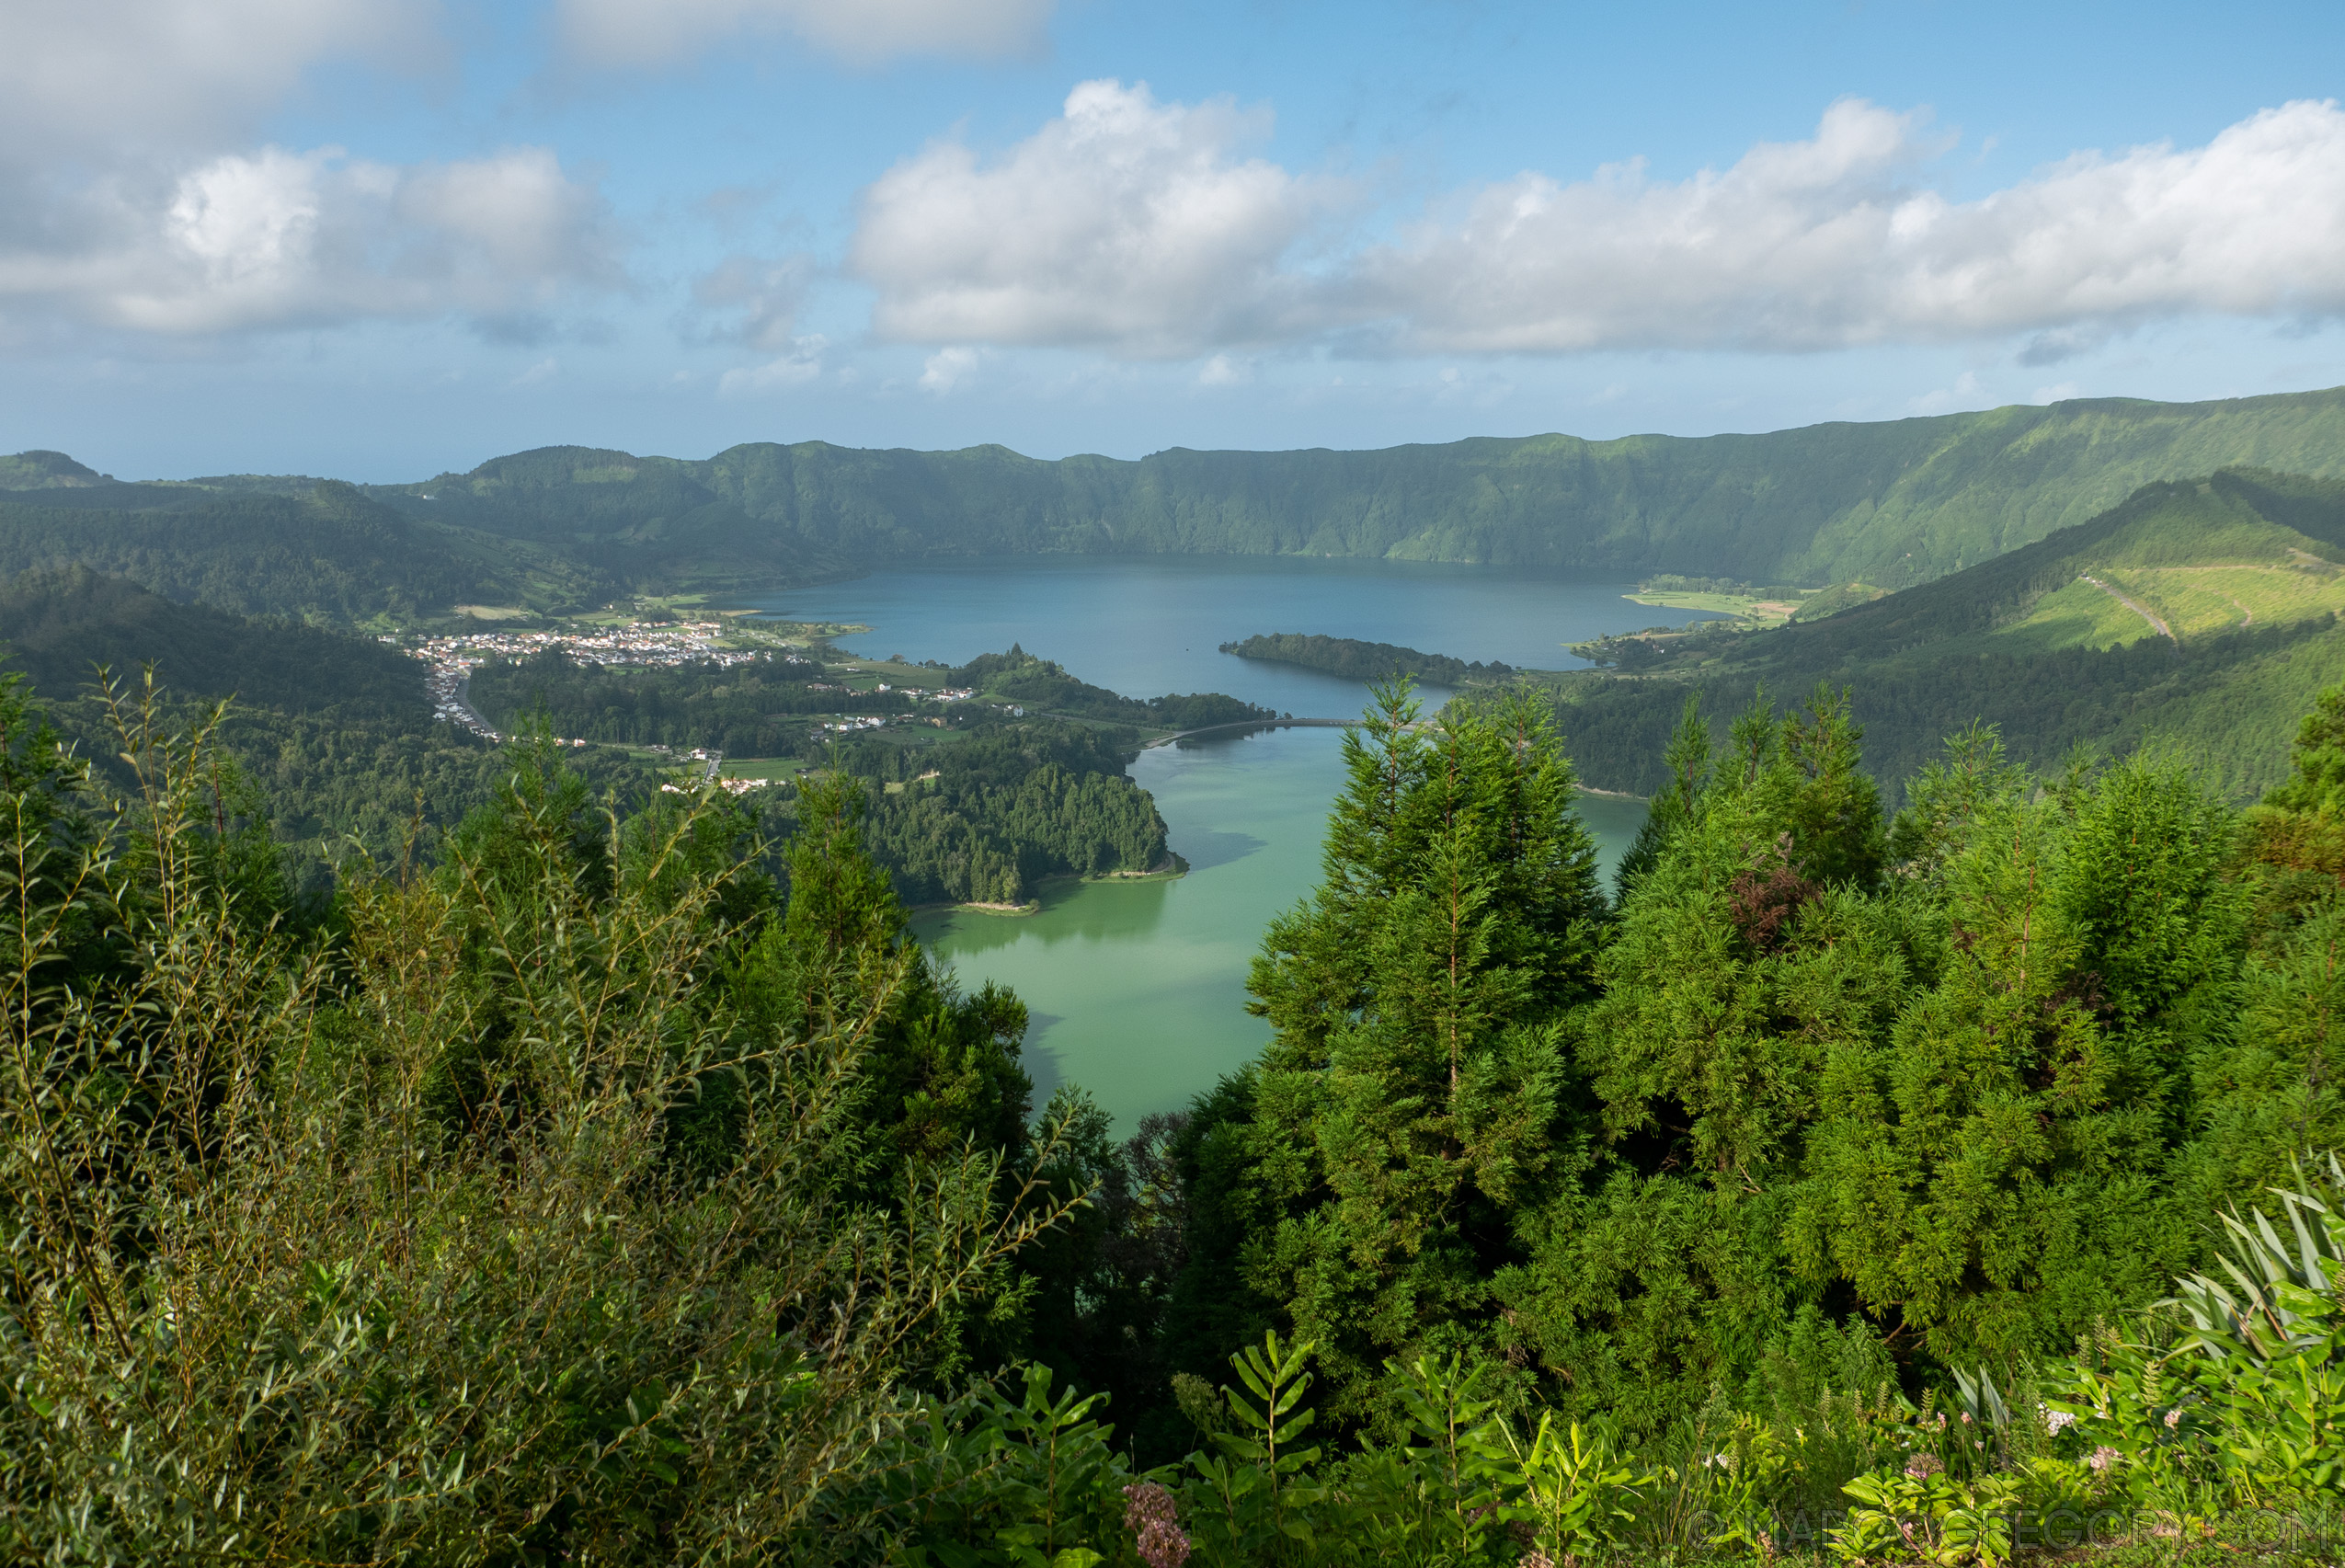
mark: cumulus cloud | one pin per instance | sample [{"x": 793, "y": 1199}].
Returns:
[
  {"x": 1826, "y": 243},
  {"x": 655, "y": 32},
  {"x": 277, "y": 239},
  {"x": 111, "y": 74},
  {"x": 1132, "y": 226},
  {"x": 1125, "y": 222},
  {"x": 132, "y": 195}
]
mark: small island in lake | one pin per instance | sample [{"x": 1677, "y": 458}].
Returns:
[{"x": 1358, "y": 660}]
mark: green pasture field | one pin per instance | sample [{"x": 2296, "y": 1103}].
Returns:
[{"x": 1758, "y": 611}]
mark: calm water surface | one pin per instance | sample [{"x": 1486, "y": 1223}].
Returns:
[{"x": 1137, "y": 990}]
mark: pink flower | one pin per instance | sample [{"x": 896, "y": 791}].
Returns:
[
  {"x": 1921, "y": 1466},
  {"x": 2103, "y": 1457},
  {"x": 1150, "y": 1516},
  {"x": 2174, "y": 1418}
]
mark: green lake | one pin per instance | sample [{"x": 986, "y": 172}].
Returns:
[{"x": 1137, "y": 990}]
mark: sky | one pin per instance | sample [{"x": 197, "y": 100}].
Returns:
[{"x": 384, "y": 239}]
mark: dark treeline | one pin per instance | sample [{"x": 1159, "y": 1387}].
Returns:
[
  {"x": 984, "y": 819},
  {"x": 2044, "y": 701},
  {"x": 1358, "y": 660},
  {"x": 329, "y": 737},
  {"x": 594, "y": 1193},
  {"x": 1021, "y": 677},
  {"x": 755, "y": 710},
  {"x": 981, "y": 818}
]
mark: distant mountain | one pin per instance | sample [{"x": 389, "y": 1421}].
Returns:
[
  {"x": 2199, "y": 615},
  {"x": 1889, "y": 504},
  {"x": 47, "y": 471},
  {"x": 1882, "y": 505}
]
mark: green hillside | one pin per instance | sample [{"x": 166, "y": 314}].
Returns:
[
  {"x": 56, "y": 627},
  {"x": 1890, "y": 504},
  {"x": 45, "y": 471},
  {"x": 331, "y": 555},
  {"x": 333, "y": 731},
  {"x": 1887, "y": 504},
  {"x": 2196, "y": 615}
]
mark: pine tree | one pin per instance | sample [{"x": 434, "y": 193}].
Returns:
[{"x": 1410, "y": 1094}]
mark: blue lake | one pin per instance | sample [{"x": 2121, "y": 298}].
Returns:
[{"x": 1137, "y": 990}]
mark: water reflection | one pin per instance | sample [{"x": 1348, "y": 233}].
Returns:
[{"x": 1071, "y": 912}]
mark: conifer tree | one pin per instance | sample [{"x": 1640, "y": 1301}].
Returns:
[{"x": 1409, "y": 1098}]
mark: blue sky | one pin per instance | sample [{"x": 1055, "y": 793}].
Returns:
[{"x": 381, "y": 238}]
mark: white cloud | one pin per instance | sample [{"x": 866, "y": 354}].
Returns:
[
  {"x": 946, "y": 369},
  {"x": 1223, "y": 370},
  {"x": 1132, "y": 226},
  {"x": 654, "y": 33},
  {"x": 1823, "y": 243},
  {"x": 116, "y": 73},
  {"x": 133, "y": 198},
  {"x": 1125, "y": 222},
  {"x": 277, "y": 239}
]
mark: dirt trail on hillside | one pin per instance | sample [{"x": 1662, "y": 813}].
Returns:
[{"x": 2163, "y": 629}]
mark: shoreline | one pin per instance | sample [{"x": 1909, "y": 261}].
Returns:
[{"x": 1172, "y": 869}]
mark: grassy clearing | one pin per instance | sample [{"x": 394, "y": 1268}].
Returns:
[
  {"x": 776, "y": 768},
  {"x": 1744, "y": 607},
  {"x": 869, "y": 674},
  {"x": 2079, "y": 615},
  {"x": 2217, "y": 598},
  {"x": 2196, "y": 601}
]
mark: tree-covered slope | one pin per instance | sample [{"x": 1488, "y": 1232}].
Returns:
[
  {"x": 56, "y": 627},
  {"x": 47, "y": 470},
  {"x": 332, "y": 731},
  {"x": 1892, "y": 503},
  {"x": 332, "y": 554},
  {"x": 2201, "y": 615}
]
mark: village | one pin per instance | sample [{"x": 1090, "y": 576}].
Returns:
[
  {"x": 646, "y": 644},
  {"x": 451, "y": 661}
]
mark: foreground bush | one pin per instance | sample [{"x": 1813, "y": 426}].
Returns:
[{"x": 481, "y": 1234}]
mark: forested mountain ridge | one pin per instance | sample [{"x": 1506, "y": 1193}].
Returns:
[
  {"x": 2196, "y": 615},
  {"x": 330, "y": 553},
  {"x": 1891, "y": 503}
]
